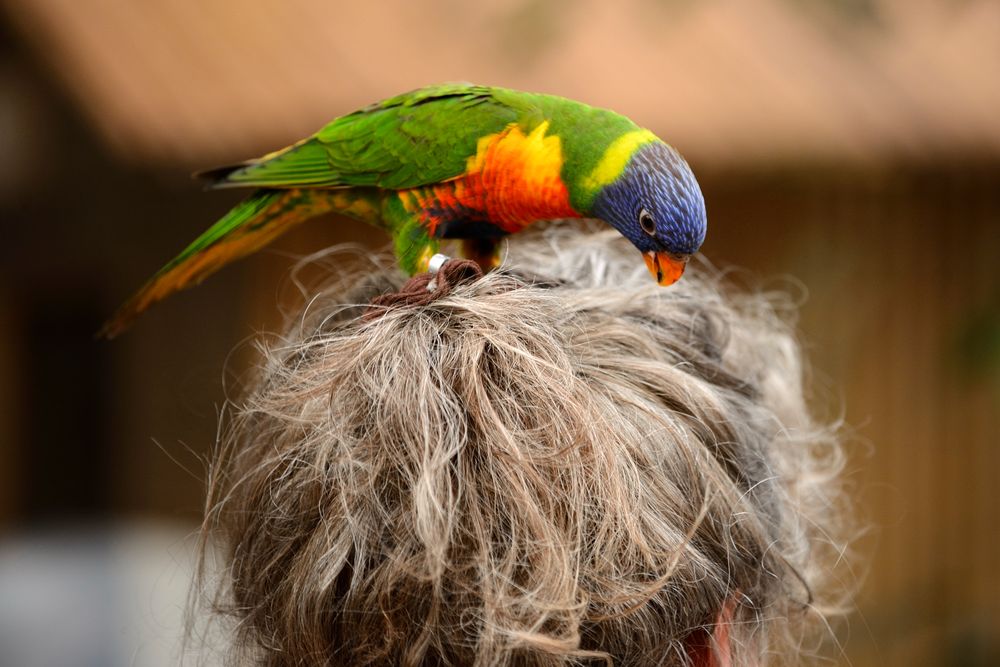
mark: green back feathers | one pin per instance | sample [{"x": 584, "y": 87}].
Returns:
[
  {"x": 427, "y": 135},
  {"x": 414, "y": 139}
]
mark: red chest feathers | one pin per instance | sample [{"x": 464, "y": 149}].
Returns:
[{"x": 512, "y": 181}]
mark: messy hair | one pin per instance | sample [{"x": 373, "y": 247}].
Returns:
[{"x": 558, "y": 463}]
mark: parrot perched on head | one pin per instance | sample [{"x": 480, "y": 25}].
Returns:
[{"x": 455, "y": 161}]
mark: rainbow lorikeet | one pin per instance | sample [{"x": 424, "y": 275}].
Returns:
[{"x": 455, "y": 161}]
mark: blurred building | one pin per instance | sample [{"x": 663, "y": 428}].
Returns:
[{"x": 849, "y": 152}]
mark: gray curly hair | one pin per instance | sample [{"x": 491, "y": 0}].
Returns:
[{"x": 595, "y": 469}]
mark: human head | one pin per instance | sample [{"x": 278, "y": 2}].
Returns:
[{"x": 588, "y": 469}]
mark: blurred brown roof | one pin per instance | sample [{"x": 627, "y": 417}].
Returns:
[{"x": 205, "y": 81}]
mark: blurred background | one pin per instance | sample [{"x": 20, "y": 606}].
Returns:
[{"x": 849, "y": 151}]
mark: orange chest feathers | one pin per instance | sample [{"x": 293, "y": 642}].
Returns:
[{"x": 512, "y": 181}]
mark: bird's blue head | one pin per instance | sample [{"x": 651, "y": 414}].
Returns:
[{"x": 657, "y": 205}]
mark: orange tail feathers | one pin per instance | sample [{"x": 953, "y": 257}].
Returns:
[{"x": 249, "y": 226}]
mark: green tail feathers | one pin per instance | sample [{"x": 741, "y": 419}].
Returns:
[{"x": 249, "y": 226}]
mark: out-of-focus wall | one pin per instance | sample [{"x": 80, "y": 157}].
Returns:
[
  {"x": 849, "y": 153},
  {"x": 898, "y": 275},
  {"x": 729, "y": 81}
]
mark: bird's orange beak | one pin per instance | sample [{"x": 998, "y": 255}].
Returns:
[{"x": 666, "y": 267}]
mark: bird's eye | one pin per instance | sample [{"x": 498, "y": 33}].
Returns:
[{"x": 647, "y": 223}]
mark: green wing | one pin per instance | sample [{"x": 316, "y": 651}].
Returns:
[{"x": 421, "y": 137}]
